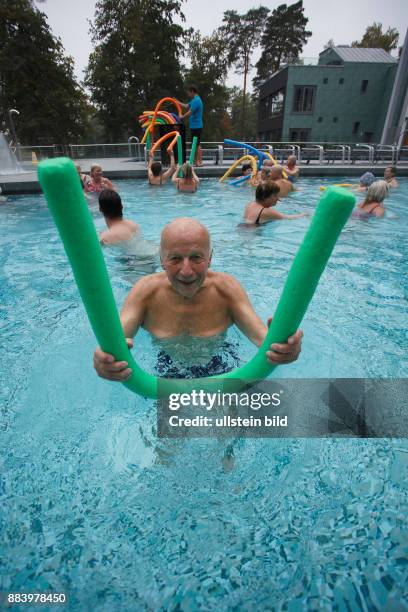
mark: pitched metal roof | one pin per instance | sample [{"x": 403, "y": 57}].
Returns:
[{"x": 362, "y": 54}]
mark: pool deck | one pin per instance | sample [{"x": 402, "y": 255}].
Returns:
[{"x": 127, "y": 168}]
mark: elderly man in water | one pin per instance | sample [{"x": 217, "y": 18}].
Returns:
[
  {"x": 291, "y": 168},
  {"x": 188, "y": 300},
  {"x": 285, "y": 186}
]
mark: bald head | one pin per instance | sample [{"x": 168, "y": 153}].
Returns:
[
  {"x": 182, "y": 231},
  {"x": 276, "y": 173},
  {"x": 291, "y": 161}
]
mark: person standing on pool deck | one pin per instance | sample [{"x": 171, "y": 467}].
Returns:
[
  {"x": 188, "y": 299},
  {"x": 195, "y": 113}
]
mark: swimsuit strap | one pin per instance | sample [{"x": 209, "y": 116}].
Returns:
[
  {"x": 259, "y": 216},
  {"x": 373, "y": 209}
]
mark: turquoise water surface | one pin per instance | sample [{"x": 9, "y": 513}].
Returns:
[{"x": 95, "y": 505}]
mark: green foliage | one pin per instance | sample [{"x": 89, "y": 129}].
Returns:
[
  {"x": 208, "y": 72},
  {"x": 242, "y": 34},
  {"x": 37, "y": 78},
  {"x": 282, "y": 41},
  {"x": 136, "y": 60},
  {"x": 235, "y": 115},
  {"x": 375, "y": 38}
]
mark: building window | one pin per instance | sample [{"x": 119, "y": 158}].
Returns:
[
  {"x": 320, "y": 119},
  {"x": 300, "y": 135},
  {"x": 325, "y": 81},
  {"x": 341, "y": 81},
  {"x": 356, "y": 127},
  {"x": 263, "y": 108},
  {"x": 275, "y": 103},
  {"x": 335, "y": 119},
  {"x": 364, "y": 85},
  {"x": 304, "y": 97}
]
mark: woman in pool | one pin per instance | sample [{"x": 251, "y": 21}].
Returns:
[
  {"x": 97, "y": 181},
  {"x": 261, "y": 211},
  {"x": 84, "y": 178},
  {"x": 189, "y": 181},
  {"x": 372, "y": 205},
  {"x": 366, "y": 180},
  {"x": 155, "y": 174}
]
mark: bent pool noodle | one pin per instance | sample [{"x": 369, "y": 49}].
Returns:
[
  {"x": 236, "y": 163},
  {"x": 260, "y": 154},
  {"x": 173, "y": 135},
  {"x": 240, "y": 180},
  {"x": 61, "y": 185}
]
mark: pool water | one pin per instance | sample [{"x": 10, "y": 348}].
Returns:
[{"x": 95, "y": 505}]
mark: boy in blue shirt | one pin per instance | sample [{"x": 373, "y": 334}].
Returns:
[{"x": 195, "y": 113}]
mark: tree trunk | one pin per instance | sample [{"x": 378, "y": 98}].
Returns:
[{"x": 243, "y": 113}]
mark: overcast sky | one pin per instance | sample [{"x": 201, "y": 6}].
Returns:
[{"x": 341, "y": 20}]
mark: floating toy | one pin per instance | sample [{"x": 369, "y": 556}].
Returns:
[
  {"x": 59, "y": 181},
  {"x": 252, "y": 159},
  {"x": 175, "y": 135},
  {"x": 338, "y": 185},
  {"x": 261, "y": 155}
]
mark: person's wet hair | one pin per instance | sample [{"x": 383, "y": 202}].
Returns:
[
  {"x": 245, "y": 168},
  {"x": 187, "y": 171},
  {"x": 376, "y": 192},
  {"x": 156, "y": 168},
  {"x": 110, "y": 204},
  {"x": 265, "y": 190}
]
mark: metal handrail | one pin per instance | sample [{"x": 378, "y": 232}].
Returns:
[
  {"x": 392, "y": 148},
  {"x": 314, "y": 147},
  {"x": 370, "y": 150},
  {"x": 136, "y": 140}
]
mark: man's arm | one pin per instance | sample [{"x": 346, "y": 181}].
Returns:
[
  {"x": 172, "y": 168},
  {"x": 183, "y": 105},
  {"x": 149, "y": 166},
  {"x": 131, "y": 317},
  {"x": 246, "y": 319},
  {"x": 175, "y": 176}
]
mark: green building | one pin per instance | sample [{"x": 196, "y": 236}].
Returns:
[{"x": 344, "y": 98}]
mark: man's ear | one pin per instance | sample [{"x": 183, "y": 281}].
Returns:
[{"x": 209, "y": 261}]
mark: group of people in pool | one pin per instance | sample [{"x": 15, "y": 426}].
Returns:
[
  {"x": 189, "y": 299},
  {"x": 184, "y": 178},
  {"x": 94, "y": 182}
]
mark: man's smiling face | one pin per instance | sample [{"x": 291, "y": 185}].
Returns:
[{"x": 185, "y": 255}]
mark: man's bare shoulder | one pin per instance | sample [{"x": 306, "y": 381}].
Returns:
[
  {"x": 225, "y": 283},
  {"x": 149, "y": 285}
]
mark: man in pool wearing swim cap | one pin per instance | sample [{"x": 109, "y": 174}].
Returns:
[{"x": 189, "y": 300}]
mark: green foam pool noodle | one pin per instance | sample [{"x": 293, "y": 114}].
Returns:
[
  {"x": 60, "y": 182},
  {"x": 180, "y": 154},
  {"x": 193, "y": 150}
]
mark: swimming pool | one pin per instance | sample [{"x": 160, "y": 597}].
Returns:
[{"x": 96, "y": 506}]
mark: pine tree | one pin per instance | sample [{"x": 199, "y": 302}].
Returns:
[
  {"x": 242, "y": 34},
  {"x": 282, "y": 41},
  {"x": 375, "y": 38},
  {"x": 208, "y": 72},
  {"x": 136, "y": 60},
  {"x": 37, "y": 78}
]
